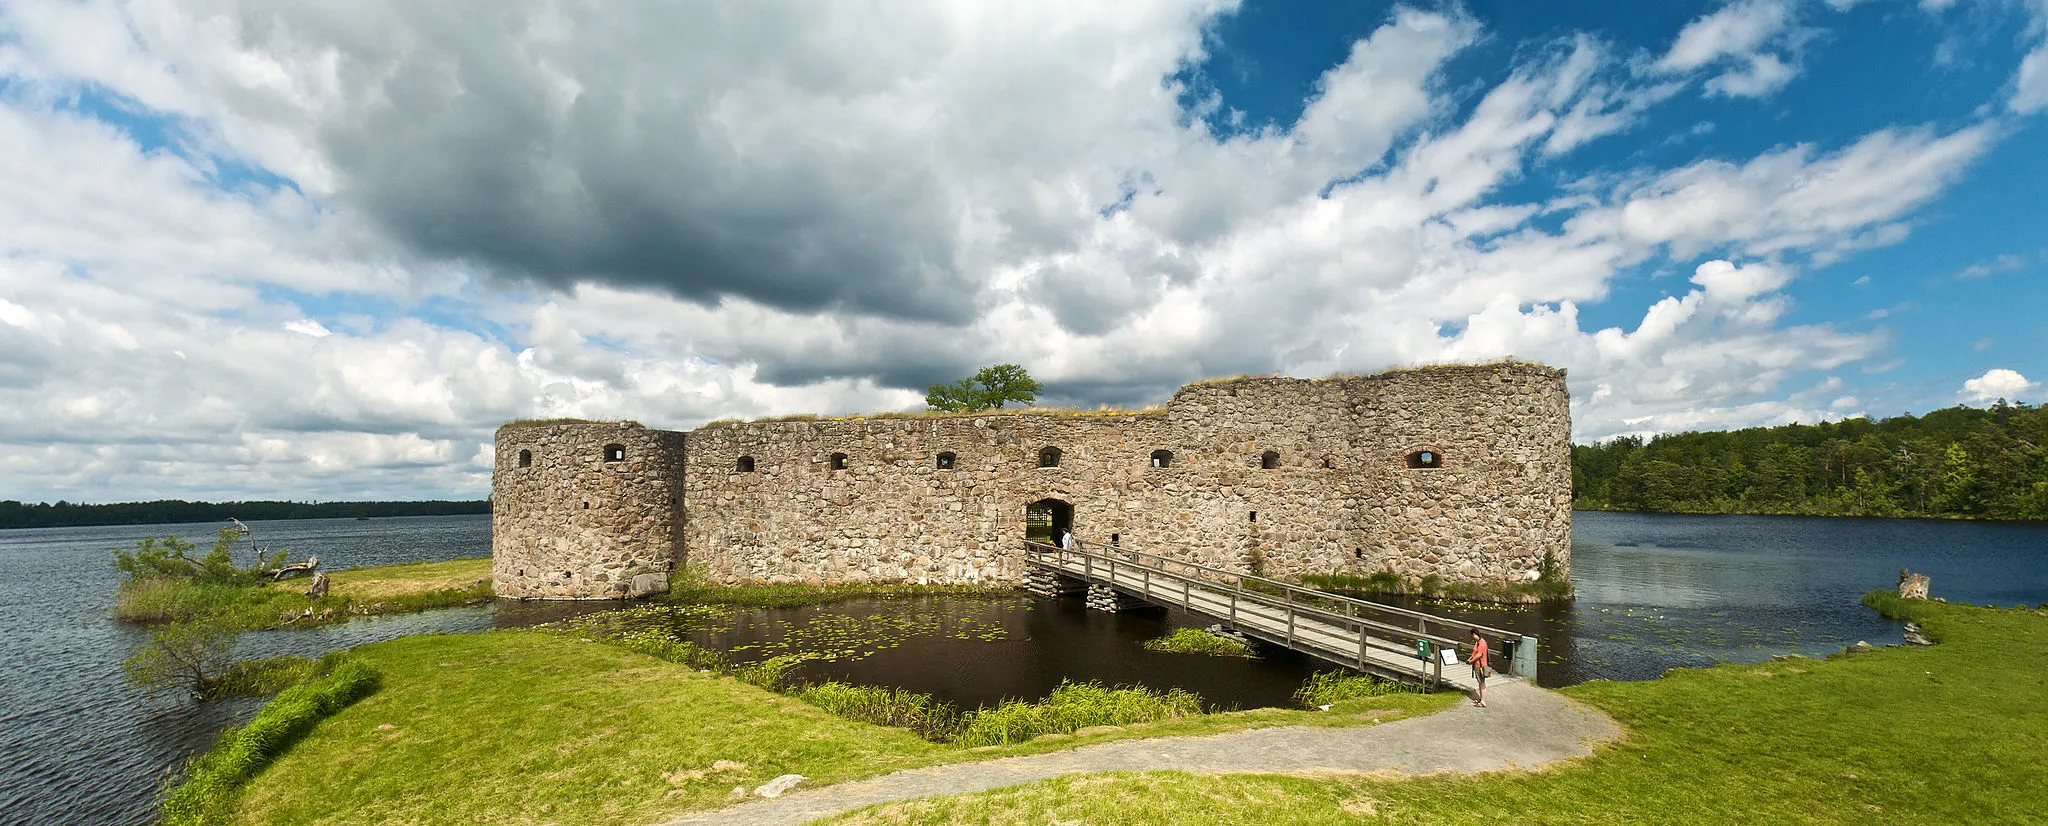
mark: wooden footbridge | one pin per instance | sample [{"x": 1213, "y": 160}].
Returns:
[{"x": 1378, "y": 639}]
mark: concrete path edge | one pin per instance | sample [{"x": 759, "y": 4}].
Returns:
[{"x": 1524, "y": 727}]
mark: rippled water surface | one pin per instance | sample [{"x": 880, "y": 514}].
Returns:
[
  {"x": 1661, "y": 591},
  {"x": 1655, "y": 592},
  {"x": 77, "y": 745}
]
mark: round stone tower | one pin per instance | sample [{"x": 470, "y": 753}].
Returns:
[{"x": 585, "y": 510}]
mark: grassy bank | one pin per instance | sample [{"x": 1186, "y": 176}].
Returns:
[
  {"x": 1947, "y": 734},
  {"x": 384, "y": 589},
  {"x": 529, "y": 727},
  {"x": 207, "y": 794}
]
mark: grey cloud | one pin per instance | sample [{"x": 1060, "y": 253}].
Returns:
[
  {"x": 1093, "y": 296},
  {"x": 684, "y": 148},
  {"x": 813, "y": 157}
]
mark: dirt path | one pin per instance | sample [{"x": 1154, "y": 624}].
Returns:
[{"x": 1523, "y": 727}]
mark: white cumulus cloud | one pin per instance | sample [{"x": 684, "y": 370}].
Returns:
[
  {"x": 466, "y": 213},
  {"x": 1997, "y": 383},
  {"x": 1751, "y": 47}
]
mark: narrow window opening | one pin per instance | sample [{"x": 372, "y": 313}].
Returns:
[
  {"x": 526, "y": 458},
  {"x": 1255, "y": 516},
  {"x": 1358, "y": 553},
  {"x": 1162, "y": 458},
  {"x": 744, "y": 465},
  {"x": 838, "y": 461},
  {"x": 1425, "y": 459},
  {"x": 1329, "y": 463},
  {"x": 614, "y": 453},
  {"x": 945, "y": 461},
  {"x": 586, "y": 506},
  {"x": 1269, "y": 460},
  {"x": 1049, "y": 457},
  {"x": 1114, "y": 539}
]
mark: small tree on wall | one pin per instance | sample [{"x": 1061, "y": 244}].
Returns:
[{"x": 990, "y": 387}]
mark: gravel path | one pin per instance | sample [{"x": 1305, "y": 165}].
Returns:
[{"x": 1522, "y": 727}]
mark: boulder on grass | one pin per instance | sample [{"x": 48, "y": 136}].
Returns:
[{"x": 1912, "y": 585}]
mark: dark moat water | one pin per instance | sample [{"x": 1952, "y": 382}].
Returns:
[
  {"x": 1655, "y": 592},
  {"x": 967, "y": 651}
]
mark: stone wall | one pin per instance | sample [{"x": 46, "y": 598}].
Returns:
[
  {"x": 1340, "y": 498},
  {"x": 569, "y": 521}
]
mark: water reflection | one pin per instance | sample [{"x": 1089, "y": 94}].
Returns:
[
  {"x": 1658, "y": 591},
  {"x": 970, "y": 651}
]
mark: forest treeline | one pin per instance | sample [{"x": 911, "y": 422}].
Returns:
[
  {"x": 65, "y": 514},
  {"x": 1967, "y": 462},
  {"x": 1979, "y": 463}
]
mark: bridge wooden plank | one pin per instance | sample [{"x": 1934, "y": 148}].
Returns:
[{"x": 1308, "y": 635}]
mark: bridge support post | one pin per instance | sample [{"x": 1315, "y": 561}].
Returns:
[
  {"x": 1524, "y": 664},
  {"x": 1105, "y": 598},
  {"x": 1049, "y": 584}
]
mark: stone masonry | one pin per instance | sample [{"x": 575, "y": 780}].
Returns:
[
  {"x": 1463, "y": 472},
  {"x": 585, "y": 510}
]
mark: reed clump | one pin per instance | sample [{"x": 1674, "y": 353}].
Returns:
[
  {"x": 922, "y": 714},
  {"x": 1325, "y": 688},
  {"x": 1198, "y": 641},
  {"x": 1071, "y": 707}
]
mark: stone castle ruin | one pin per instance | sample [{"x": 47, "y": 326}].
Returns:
[{"x": 1461, "y": 472}]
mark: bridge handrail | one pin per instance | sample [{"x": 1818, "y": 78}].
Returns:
[
  {"x": 1354, "y": 606},
  {"x": 1347, "y": 621},
  {"x": 1293, "y": 609}
]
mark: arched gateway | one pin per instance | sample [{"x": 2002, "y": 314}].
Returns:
[{"x": 1046, "y": 518}]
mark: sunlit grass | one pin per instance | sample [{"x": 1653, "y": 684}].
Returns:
[
  {"x": 384, "y": 589},
  {"x": 1947, "y": 734},
  {"x": 517, "y": 727},
  {"x": 207, "y": 793}
]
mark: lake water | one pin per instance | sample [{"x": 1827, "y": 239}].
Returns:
[
  {"x": 77, "y": 745},
  {"x": 1654, "y": 592}
]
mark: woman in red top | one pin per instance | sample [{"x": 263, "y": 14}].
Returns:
[{"x": 1479, "y": 667}]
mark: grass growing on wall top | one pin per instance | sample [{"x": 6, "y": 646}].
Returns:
[
  {"x": 1953, "y": 733},
  {"x": 520, "y": 423},
  {"x": 1056, "y": 412}
]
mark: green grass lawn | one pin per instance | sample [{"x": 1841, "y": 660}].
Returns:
[
  {"x": 516, "y": 727},
  {"x": 386, "y": 581},
  {"x": 1955, "y": 733},
  {"x": 384, "y": 589}
]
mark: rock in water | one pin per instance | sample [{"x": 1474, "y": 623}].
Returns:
[
  {"x": 779, "y": 786},
  {"x": 1912, "y": 585},
  {"x": 319, "y": 588}
]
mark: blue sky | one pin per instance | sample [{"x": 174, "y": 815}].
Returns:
[{"x": 261, "y": 250}]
